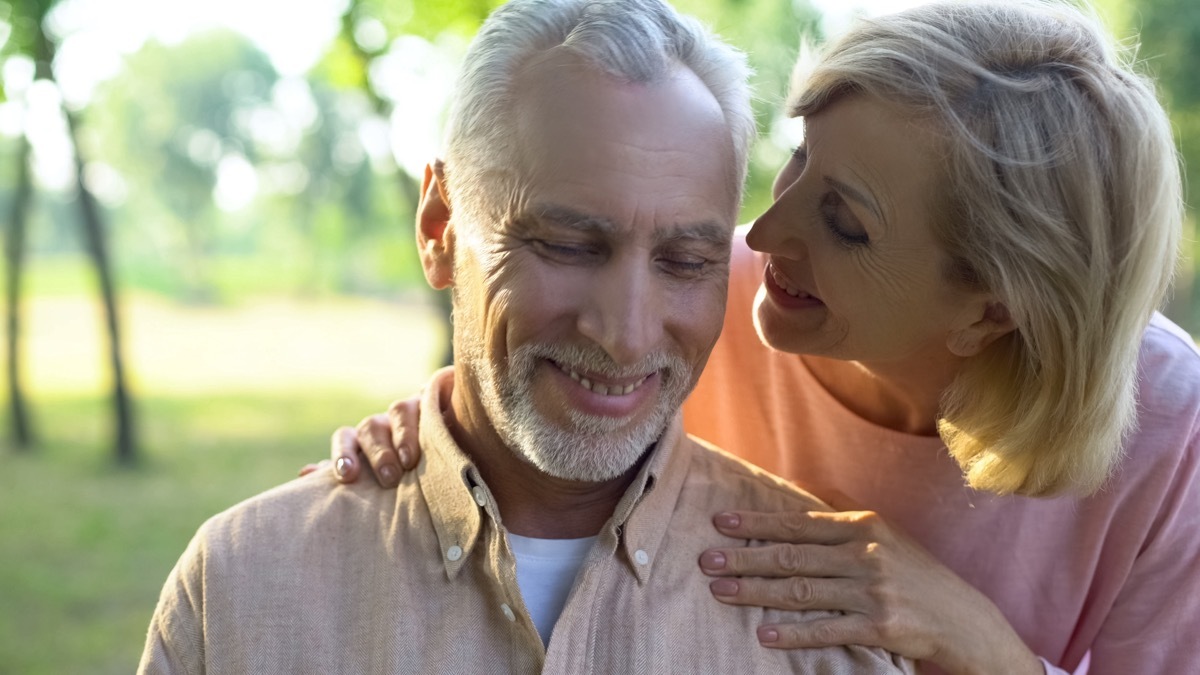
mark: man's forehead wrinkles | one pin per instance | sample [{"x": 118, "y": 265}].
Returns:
[{"x": 566, "y": 216}]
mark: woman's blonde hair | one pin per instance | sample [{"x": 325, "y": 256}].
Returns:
[{"x": 1063, "y": 198}]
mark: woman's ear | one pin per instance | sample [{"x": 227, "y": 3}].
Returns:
[
  {"x": 435, "y": 236},
  {"x": 989, "y": 322}
]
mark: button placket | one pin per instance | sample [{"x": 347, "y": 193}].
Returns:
[{"x": 508, "y": 613}]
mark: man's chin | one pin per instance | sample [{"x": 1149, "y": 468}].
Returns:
[
  {"x": 586, "y": 457},
  {"x": 585, "y": 472}
]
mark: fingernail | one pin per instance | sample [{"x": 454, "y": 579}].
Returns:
[
  {"x": 766, "y": 635},
  {"x": 387, "y": 473},
  {"x": 342, "y": 466},
  {"x": 728, "y": 521},
  {"x": 713, "y": 560},
  {"x": 724, "y": 587},
  {"x": 404, "y": 457}
]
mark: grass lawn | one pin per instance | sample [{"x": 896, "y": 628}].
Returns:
[{"x": 84, "y": 546}]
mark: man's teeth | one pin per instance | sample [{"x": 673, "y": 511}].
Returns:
[
  {"x": 787, "y": 288},
  {"x": 601, "y": 389}
]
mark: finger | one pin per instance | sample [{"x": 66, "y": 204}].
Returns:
[
  {"x": 840, "y": 501},
  {"x": 318, "y": 466},
  {"x": 403, "y": 416},
  {"x": 343, "y": 455},
  {"x": 375, "y": 438},
  {"x": 798, "y": 527},
  {"x": 780, "y": 561},
  {"x": 796, "y": 593},
  {"x": 850, "y": 629}
]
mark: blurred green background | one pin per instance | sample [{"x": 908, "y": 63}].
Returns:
[{"x": 227, "y": 188}]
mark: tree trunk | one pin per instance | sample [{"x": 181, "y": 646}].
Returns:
[
  {"x": 93, "y": 228},
  {"x": 14, "y": 247},
  {"x": 93, "y": 231}
]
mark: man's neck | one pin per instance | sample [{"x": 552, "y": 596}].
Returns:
[{"x": 531, "y": 503}]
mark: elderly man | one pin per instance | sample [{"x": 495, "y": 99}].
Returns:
[{"x": 583, "y": 219}]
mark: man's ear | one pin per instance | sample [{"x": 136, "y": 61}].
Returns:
[
  {"x": 435, "y": 236},
  {"x": 988, "y": 321}
]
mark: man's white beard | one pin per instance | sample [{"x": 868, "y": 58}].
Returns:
[{"x": 594, "y": 448}]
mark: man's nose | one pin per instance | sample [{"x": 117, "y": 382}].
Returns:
[{"x": 624, "y": 315}]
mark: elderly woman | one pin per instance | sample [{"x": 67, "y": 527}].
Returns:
[{"x": 955, "y": 293}]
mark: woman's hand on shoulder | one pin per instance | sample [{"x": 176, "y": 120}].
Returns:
[
  {"x": 889, "y": 590},
  {"x": 387, "y": 441}
]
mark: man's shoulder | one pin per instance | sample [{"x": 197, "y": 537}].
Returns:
[
  {"x": 727, "y": 478},
  {"x": 292, "y": 515}
]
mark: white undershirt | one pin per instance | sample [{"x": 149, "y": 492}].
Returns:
[{"x": 546, "y": 571}]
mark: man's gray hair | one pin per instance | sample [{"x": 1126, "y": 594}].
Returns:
[{"x": 640, "y": 41}]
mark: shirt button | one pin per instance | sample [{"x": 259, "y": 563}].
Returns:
[
  {"x": 453, "y": 553},
  {"x": 477, "y": 492},
  {"x": 640, "y": 557},
  {"x": 508, "y": 613}
]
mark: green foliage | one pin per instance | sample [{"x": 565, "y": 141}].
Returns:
[
  {"x": 23, "y": 16},
  {"x": 342, "y": 67},
  {"x": 1169, "y": 31},
  {"x": 175, "y": 113},
  {"x": 427, "y": 19},
  {"x": 164, "y": 124},
  {"x": 1168, "y": 37},
  {"x": 769, "y": 31},
  {"x": 1166, "y": 34}
]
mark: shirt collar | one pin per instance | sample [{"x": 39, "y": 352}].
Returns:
[
  {"x": 644, "y": 513},
  {"x": 450, "y": 483},
  {"x": 445, "y": 475}
]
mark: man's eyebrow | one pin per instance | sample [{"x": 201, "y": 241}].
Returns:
[
  {"x": 565, "y": 216},
  {"x": 856, "y": 195},
  {"x": 708, "y": 231}
]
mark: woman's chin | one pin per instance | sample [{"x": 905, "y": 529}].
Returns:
[{"x": 785, "y": 330}]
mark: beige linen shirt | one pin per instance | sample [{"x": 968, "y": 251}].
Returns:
[{"x": 317, "y": 577}]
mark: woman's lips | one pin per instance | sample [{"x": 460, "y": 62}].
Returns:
[{"x": 785, "y": 292}]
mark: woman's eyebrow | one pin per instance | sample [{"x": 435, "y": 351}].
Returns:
[{"x": 857, "y": 195}]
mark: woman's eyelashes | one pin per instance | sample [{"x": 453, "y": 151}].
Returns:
[
  {"x": 840, "y": 221},
  {"x": 834, "y": 212}
]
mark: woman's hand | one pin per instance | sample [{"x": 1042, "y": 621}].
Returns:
[
  {"x": 892, "y": 593},
  {"x": 389, "y": 442}
]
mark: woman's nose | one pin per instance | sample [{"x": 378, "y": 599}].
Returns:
[{"x": 778, "y": 231}]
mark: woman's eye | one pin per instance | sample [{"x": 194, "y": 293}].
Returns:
[{"x": 840, "y": 221}]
